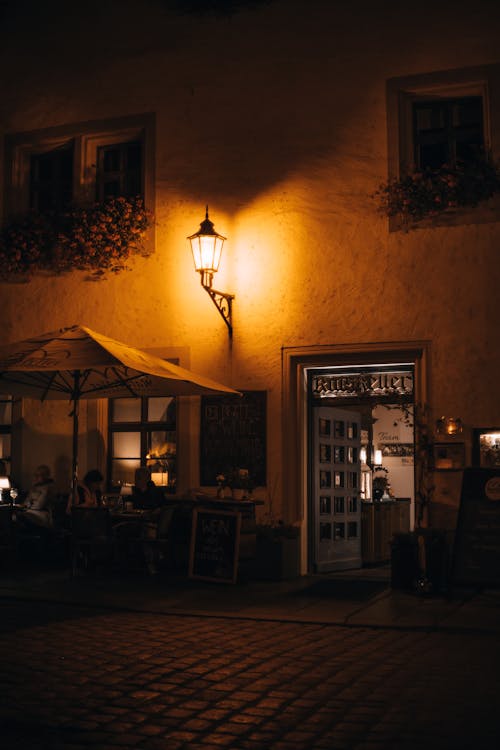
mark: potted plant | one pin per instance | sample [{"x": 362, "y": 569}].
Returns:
[
  {"x": 98, "y": 238},
  {"x": 380, "y": 483}
]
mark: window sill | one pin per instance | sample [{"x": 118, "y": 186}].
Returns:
[{"x": 486, "y": 213}]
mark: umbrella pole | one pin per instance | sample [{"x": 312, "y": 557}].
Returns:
[{"x": 74, "y": 468}]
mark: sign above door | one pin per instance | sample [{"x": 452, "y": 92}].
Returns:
[{"x": 362, "y": 384}]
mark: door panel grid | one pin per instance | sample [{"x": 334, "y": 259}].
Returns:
[{"x": 336, "y": 506}]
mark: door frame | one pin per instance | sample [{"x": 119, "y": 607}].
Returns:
[{"x": 295, "y": 362}]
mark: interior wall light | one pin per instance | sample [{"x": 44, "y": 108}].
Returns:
[
  {"x": 206, "y": 246},
  {"x": 449, "y": 426}
]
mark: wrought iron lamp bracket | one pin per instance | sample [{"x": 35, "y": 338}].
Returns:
[{"x": 222, "y": 300}]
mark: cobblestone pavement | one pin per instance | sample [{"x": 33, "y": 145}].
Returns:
[{"x": 74, "y": 677}]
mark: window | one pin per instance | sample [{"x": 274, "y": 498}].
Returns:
[
  {"x": 142, "y": 432},
  {"x": 49, "y": 169},
  {"x": 446, "y": 131},
  {"x": 51, "y": 179},
  {"x": 6, "y": 432},
  {"x": 445, "y": 118},
  {"x": 119, "y": 170}
]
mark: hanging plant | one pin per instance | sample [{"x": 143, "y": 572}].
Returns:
[
  {"x": 433, "y": 191},
  {"x": 99, "y": 238}
]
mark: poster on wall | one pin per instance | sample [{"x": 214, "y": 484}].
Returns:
[{"x": 233, "y": 435}]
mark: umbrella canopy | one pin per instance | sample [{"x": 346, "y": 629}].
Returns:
[{"x": 77, "y": 363}]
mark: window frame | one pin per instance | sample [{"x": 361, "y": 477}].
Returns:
[
  {"x": 86, "y": 137},
  {"x": 6, "y": 429},
  {"x": 402, "y": 92},
  {"x": 143, "y": 426},
  {"x": 414, "y": 95}
]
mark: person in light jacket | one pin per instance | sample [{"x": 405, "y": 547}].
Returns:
[{"x": 37, "y": 507}]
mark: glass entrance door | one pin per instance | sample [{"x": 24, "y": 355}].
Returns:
[{"x": 336, "y": 511}]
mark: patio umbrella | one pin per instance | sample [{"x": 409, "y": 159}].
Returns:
[{"x": 77, "y": 363}]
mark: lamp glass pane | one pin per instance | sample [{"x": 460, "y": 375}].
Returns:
[{"x": 207, "y": 250}]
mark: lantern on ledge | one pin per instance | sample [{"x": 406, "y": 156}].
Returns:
[{"x": 449, "y": 426}]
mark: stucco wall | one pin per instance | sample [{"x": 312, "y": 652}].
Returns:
[{"x": 275, "y": 117}]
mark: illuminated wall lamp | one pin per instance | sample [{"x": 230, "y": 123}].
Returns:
[
  {"x": 206, "y": 246},
  {"x": 449, "y": 426}
]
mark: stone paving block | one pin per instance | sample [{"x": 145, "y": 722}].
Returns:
[{"x": 308, "y": 687}]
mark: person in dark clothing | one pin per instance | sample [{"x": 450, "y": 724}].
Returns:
[
  {"x": 88, "y": 492},
  {"x": 145, "y": 494},
  {"x": 149, "y": 498}
]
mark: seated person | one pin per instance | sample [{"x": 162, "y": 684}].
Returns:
[
  {"x": 145, "y": 494},
  {"x": 88, "y": 492},
  {"x": 37, "y": 507},
  {"x": 148, "y": 497}
]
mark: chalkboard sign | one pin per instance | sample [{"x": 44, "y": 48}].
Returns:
[
  {"x": 233, "y": 435},
  {"x": 215, "y": 540},
  {"x": 476, "y": 551}
]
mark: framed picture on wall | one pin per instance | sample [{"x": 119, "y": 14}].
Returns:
[
  {"x": 486, "y": 447},
  {"x": 449, "y": 456}
]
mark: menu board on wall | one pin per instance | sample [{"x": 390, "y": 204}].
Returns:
[
  {"x": 233, "y": 435},
  {"x": 476, "y": 551}
]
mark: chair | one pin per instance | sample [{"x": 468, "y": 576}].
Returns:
[
  {"x": 91, "y": 539},
  {"x": 143, "y": 542},
  {"x": 8, "y": 537},
  {"x": 157, "y": 546}
]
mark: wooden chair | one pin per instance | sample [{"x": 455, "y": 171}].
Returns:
[
  {"x": 144, "y": 542},
  {"x": 91, "y": 539},
  {"x": 158, "y": 546}
]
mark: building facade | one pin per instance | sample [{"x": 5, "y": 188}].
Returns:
[{"x": 285, "y": 117}]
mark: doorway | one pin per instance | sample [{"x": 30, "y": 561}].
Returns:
[
  {"x": 298, "y": 485},
  {"x": 368, "y": 459}
]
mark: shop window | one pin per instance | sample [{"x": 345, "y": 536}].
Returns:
[
  {"x": 5, "y": 433},
  {"x": 143, "y": 432}
]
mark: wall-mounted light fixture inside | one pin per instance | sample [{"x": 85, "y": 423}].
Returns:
[
  {"x": 449, "y": 426},
  {"x": 206, "y": 246}
]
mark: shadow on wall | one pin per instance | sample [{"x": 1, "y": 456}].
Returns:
[
  {"x": 62, "y": 473},
  {"x": 55, "y": 451}
]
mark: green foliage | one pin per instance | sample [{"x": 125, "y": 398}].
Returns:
[{"x": 99, "y": 238}]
